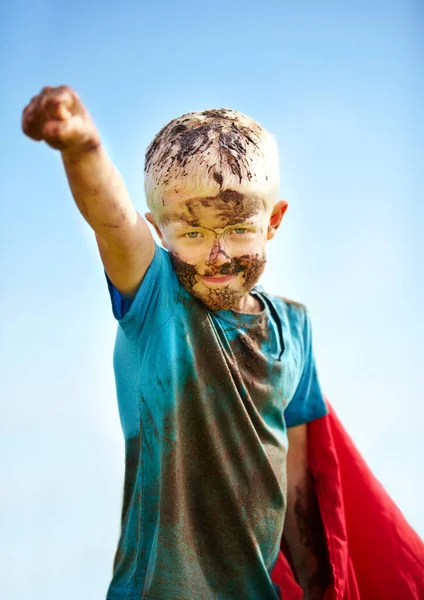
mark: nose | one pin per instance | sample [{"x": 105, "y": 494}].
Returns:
[{"x": 217, "y": 256}]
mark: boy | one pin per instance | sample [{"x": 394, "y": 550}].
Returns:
[{"x": 214, "y": 376}]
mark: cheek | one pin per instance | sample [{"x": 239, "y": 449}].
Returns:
[
  {"x": 249, "y": 251},
  {"x": 190, "y": 253},
  {"x": 185, "y": 271},
  {"x": 252, "y": 266},
  {"x": 251, "y": 244}
]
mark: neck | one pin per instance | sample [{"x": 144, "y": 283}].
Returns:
[{"x": 249, "y": 304}]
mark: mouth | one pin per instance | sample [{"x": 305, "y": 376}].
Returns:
[{"x": 222, "y": 279}]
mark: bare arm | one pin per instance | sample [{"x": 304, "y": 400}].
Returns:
[
  {"x": 126, "y": 245},
  {"x": 303, "y": 530}
]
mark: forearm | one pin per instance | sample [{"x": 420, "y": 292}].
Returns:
[
  {"x": 99, "y": 192},
  {"x": 305, "y": 538}
]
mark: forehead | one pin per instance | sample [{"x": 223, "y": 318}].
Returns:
[{"x": 226, "y": 208}]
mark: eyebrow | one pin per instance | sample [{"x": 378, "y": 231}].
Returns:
[
  {"x": 185, "y": 223},
  {"x": 179, "y": 219}
]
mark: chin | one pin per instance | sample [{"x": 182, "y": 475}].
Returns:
[{"x": 222, "y": 297}]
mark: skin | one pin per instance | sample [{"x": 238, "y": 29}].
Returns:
[
  {"x": 212, "y": 237},
  {"x": 303, "y": 528},
  {"x": 58, "y": 117},
  {"x": 126, "y": 245}
]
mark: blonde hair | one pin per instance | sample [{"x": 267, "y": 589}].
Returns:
[{"x": 209, "y": 152}]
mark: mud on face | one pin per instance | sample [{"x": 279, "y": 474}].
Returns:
[
  {"x": 232, "y": 208},
  {"x": 224, "y": 297},
  {"x": 235, "y": 136}
]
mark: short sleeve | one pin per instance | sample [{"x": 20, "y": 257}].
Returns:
[
  {"x": 308, "y": 401},
  {"x": 154, "y": 301}
]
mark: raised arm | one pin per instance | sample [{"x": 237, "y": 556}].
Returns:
[{"x": 126, "y": 245}]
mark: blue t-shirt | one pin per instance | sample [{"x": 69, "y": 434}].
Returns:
[{"x": 205, "y": 398}]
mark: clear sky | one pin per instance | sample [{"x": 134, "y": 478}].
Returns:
[{"x": 340, "y": 84}]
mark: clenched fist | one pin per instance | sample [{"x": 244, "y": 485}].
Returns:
[{"x": 58, "y": 117}]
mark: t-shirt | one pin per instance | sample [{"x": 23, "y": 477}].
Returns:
[{"x": 205, "y": 398}]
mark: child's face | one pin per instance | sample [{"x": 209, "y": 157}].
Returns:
[{"x": 217, "y": 245}]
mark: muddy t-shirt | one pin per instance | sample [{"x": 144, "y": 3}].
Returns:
[{"x": 205, "y": 398}]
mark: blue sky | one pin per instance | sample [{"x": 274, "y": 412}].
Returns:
[{"x": 340, "y": 87}]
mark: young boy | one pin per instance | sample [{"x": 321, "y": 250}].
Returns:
[{"x": 215, "y": 377}]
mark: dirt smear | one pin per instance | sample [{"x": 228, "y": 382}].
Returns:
[{"x": 193, "y": 134}]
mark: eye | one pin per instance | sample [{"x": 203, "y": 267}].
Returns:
[
  {"x": 240, "y": 230},
  {"x": 192, "y": 234}
]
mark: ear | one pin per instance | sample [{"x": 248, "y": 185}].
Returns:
[
  {"x": 276, "y": 217},
  {"x": 149, "y": 217}
]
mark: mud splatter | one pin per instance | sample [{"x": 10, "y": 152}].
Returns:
[
  {"x": 312, "y": 536},
  {"x": 218, "y": 178},
  {"x": 222, "y": 491},
  {"x": 298, "y": 306},
  {"x": 132, "y": 461},
  {"x": 126, "y": 558},
  {"x": 193, "y": 134},
  {"x": 259, "y": 331},
  {"x": 224, "y": 297},
  {"x": 187, "y": 273},
  {"x": 232, "y": 208},
  {"x": 252, "y": 267},
  {"x": 249, "y": 362},
  {"x": 216, "y": 113},
  {"x": 215, "y": 252}
]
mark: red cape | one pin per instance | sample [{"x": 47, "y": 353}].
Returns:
[{"x": 374, "y": 552}]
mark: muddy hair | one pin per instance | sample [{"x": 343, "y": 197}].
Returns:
[{"x": 205, "y": 153}]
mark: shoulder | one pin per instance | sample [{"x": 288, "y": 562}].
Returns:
[
  {"x": 154, "y": 300},
  {"x": 293, "y": 308},
  {"x": 293, "y": 316}
]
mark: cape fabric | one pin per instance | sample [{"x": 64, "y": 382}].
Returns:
[{"x": 374, "y": 552}]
